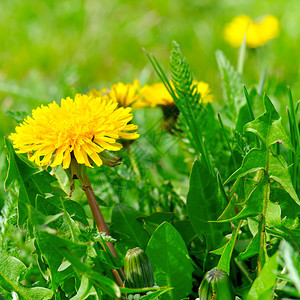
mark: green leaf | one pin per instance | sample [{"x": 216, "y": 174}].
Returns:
[
  {"x": 127, "y": 227},
  {"x": 73, "y": 252},
  {"x": 84, "y": 289},
  {"x": 126, "y": 290},
  {"x": 289, "y": 208},
  {"x": 253, "y": 204},
  {"x": 170, "y": 261},
  {"x": 18, "y": 116},
  {"x": 17, "y": 172},
  {"x": 268, "y": 127},
  {"x": 30, "y": 181},
  {"x": 232, "y": 86},
  {"x": 263, "y": 285},
  {"x": 251, "y": 250},
  {"x": 224, "y": 262},
  {"x": 254, "y": 161},
  {"x": 187, "y": 99},
  {"x": 278, "y": 170},
  {"x": 289, "y": 259},
  {"x": 204, "y": 205},
  {"x": 76, "y": 212},
  {"x": 154, "y": 220},
  {"x": 53, "y": 258},
  {"x": 154, "y": 295},
  {"x": 11, "y": 270},
  {"x": 186, "y": 230},
  {"x": 158, "y": 217}
]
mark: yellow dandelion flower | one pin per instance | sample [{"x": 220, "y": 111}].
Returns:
[
  {"x": 270, "y": 25},
  {"x": 81, "y": 128},
  {"x": 157, "y": 94},
  {"x": 125, "y": 94},
  {"x": 95, "y": 93},
  {"x": 257, "y": 33},
  {"x": 205, "y": 92}
]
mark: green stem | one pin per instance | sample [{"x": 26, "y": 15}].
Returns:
[
  {"x": 98, "y": 217},
  {"x": 244, "y": 269},
  {"x": 138, "y": 174},
  {"x": 134, "y": 164},
  {"x": 262, "y": 228},
  {"x": 227, "y": 140}
]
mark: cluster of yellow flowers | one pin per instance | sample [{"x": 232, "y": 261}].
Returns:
[
  {"x": 136, "y": 96},
  {"x": 83, "y": 127},
  {"x": 257, "y": 33}
]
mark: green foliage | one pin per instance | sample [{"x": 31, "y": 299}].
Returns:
[
  {"x": 263, "y": 286},
  {"x": 167, "y": 197},
  {"x": 204, "y": 205},
  {"x": 232, "y": 86},
  {"x": 132, "y": 234},
  {"x": 11, "y": 271},
  {"x": 290, "y": 275},
  {"x": 170, "y": 261}
]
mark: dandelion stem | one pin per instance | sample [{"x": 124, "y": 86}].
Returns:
[{"x": 98, "y": 217}]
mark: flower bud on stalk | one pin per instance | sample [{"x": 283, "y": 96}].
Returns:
[
  {"x": 137, "y": 269},
  {"x": 216, "y": 285}
]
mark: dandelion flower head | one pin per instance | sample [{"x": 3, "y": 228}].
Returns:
[
  {"x": 125, "y": 94},
  {"x": 81, "y": 128},
  {"x": 257, "y": 33},
  {"x": 157, "y": 94}
]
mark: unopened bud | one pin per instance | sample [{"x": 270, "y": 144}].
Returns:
[
  {"x": 216, "y": 285},
  {"x": 137, "y": 269}
]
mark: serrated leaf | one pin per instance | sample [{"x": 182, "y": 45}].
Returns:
[
  {"x": 268, "y": 127},
  {"x": 254, "y": 161},
  {"x": 253, "y": 204},
  {"x": 251, "y": 250},
  {"x": 289, "y": 208},
  {"x": 232, "y": 86},
  {"x": 278, "y": 170}
]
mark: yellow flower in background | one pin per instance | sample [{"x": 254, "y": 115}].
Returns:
[
  {"x": 157, "y": 94},
  {"x": 205, "y": 92},
  {"x": 125, "y": 94},
  {"x": 80, "y": 128},
  {"x": 95, "y": 93},
  {"x": 257, "y": 33}
]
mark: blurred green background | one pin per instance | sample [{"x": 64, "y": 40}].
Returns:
[{"x": 52, "y": 49}]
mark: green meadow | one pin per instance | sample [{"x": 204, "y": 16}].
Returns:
[{"x": 209, "y": 188}]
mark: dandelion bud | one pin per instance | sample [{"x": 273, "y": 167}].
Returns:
[
  {"x": 138, "y": 270},
  {"x": 216, "y": 285}
]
